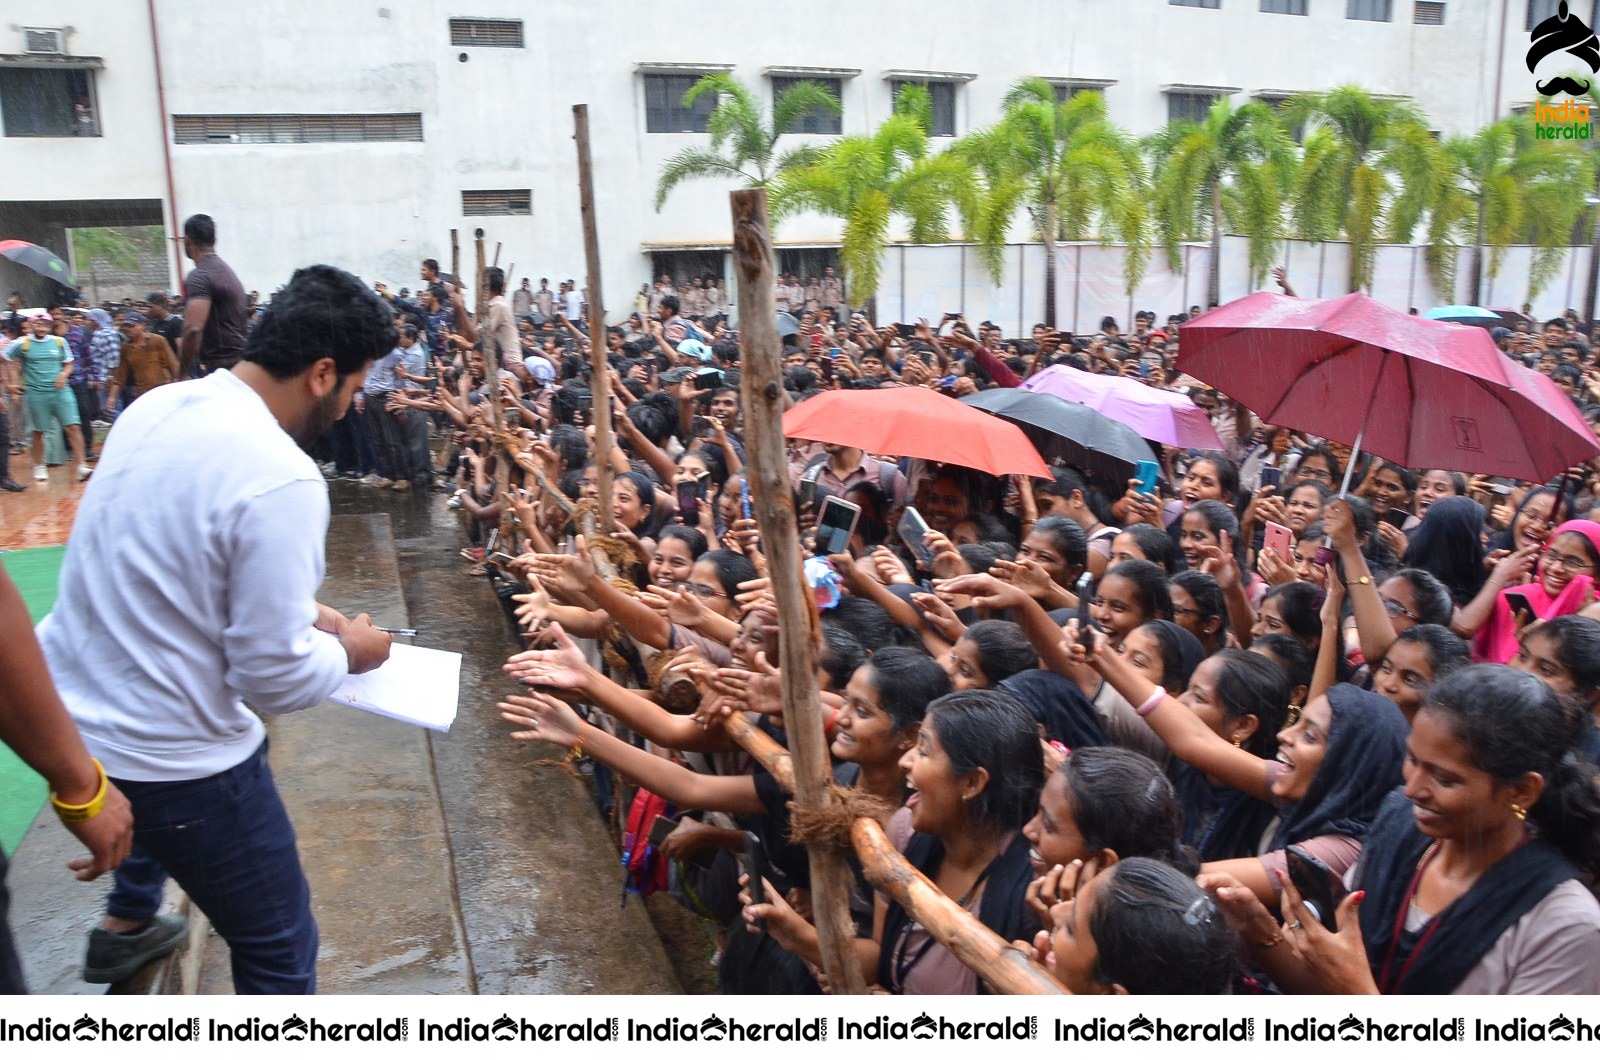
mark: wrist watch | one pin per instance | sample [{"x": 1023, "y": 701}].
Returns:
[{"x": 1365, "y": 579}]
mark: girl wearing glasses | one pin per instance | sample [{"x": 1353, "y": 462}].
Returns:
[{"x": 1563, "y": 584}]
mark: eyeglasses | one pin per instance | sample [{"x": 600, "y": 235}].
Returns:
[
  {"x": 705, "y": 592},
  {"x": 1570, "y": 564},
  {"x": 1176, "y": 610},
  {"x": 1320, "y": 474},
  {"x": 1394, "y": 607}
]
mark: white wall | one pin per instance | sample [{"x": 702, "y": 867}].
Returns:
[{"x": 503, "y": 118}]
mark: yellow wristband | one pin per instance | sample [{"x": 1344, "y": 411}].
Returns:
[{"x": 70, "y": 814}]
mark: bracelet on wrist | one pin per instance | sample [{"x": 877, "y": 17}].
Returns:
[
  {"x": 88, "y": 811},
  {"x": 1155, "y": 700}
]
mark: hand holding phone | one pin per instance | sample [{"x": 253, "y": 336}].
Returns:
[
  {"x": 1083, "y": 589},
  {"x": 1146, "y": 472},
  {"x": 1314, "y": 880},
  {"x": 1280, "y": 539},
  {"x": 755, "y": 867},
  {"x": 913, "y": 530}
]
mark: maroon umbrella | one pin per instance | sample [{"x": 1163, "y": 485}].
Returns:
[{"x": 1421, "y": 393}]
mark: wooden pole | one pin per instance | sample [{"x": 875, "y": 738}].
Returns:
[
  {"x": 1004, "y": 969},
  {"x": 496, "y": 263},
  {"x": 455, "y": 258},
  {"x": 599, "y": 367},
  {"x": 767, "y": 469},
  {"x": 491, "y": 355}
]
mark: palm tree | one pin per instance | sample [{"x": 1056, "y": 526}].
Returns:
[
  {"x": 1369, "y": 168},
  {"x": 1512, "y": 187},
  {"x": 744, "y": 141},
  {"x": 1074, "y": 172},
  {"x": 1231, "y": 169},
  {"x": 868, "y": 180}
]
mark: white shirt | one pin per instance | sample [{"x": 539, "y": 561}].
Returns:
[
  {"x": 573, "y": 303},
  {"x": 190, "y": 585}
]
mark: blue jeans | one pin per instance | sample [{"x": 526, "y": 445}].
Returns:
[{"x": 228, "y": 842}]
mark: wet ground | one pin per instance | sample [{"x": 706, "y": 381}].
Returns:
[{"x": 439, "y": 863}]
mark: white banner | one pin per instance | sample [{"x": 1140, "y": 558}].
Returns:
[{"x": 1244, "y": 1026}]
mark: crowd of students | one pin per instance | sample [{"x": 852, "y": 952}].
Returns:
[{"x": 1131, "y": 732}]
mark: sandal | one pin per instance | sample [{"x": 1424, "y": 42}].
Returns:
[{"x": 473, "y": 554}]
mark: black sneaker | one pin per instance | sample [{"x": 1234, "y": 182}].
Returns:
[
  {"x": 113, "y": 958},
  {"x": 12, "y": 486}
]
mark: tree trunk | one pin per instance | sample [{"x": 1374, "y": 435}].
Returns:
[
  {"x": 1214, "y": 278},
  {"x": 599, "y": 365},
  {"x": 1477, "y": 258},
  {"x": 767, "y": 469},
  {"x": 1049, "y": 234}
]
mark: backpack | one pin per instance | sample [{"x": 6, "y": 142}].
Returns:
[{"x": 644, "y": 870}]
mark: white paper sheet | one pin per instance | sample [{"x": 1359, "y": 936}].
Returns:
[{"x": 421, "y": 686}]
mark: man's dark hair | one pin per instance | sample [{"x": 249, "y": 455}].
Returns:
[
  {"x": 322, "y": 312},
  {"x": 431, "y": 264},
  {"x": 671, "y": 302},
  {"x": 726, "y": 351},
  {"x": 437, "y": 291},
  {"x": 495, "y": 277},
  {"x": 201, "y": 230}
]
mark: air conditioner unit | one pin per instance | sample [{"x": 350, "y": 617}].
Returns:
[{"x": 44, "y": 42}]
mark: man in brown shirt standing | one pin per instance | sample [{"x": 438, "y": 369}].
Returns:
[{"x": 147, "y": 361}]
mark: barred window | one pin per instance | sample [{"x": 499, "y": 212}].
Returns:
[
  {"x": 1213, "y": 4},
  {"x": 1190, "y": 106},
  {"x": 943, "y": 94},
  {"x": 295, "y": 128},
  {"x": 815, "y": 120},
  {"x": 486, "y": 33},
  {"x": 664, "y": 111},
  {"x": 1283, "y": 7},
  {"x": 1368, "y": 10},
  {"x": 1429, "y": 13},
  {"x": 512, "y": 202}
]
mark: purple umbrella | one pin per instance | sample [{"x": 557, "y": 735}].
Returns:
[{"x": 1157, "y": 415}]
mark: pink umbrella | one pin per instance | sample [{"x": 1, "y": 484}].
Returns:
[
  {"x": 1157, "y": 415},
  {"x": 1419, "y": 392}
]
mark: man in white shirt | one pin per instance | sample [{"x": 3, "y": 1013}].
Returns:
[
  {"x": 189, "y": 590},
  {"x": 571, "y": 302}
]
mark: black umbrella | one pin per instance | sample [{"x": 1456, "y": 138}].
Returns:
[
  {"x": 40, "y": 260},
  {"x": 1066, "y": 430}
]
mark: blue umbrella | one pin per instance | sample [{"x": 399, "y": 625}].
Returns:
[{"x": 1464, "y": 314}]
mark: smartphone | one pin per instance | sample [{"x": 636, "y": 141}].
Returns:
[
  {"x": 1272, "y": 476},
  {"x": 499, "y": 559},
  {"x": 808, "y": 493},
  {"x": 662, "y": 828},
  {"x": 689, "y": 501},
  {"x": 755, "y": 867},
  {"x": 1280, "y": 539},
  {"x": 744, "y": 497},
  {"x": 1314, "y": 881},
  {"x": 707, "y": 379},
  {"x": 835, "y": 523},
  {"x": 1085, "y": 623},
  {"x": 1146, "y": 472},
  {"x": 834, "y": 352},
  {"x": 1521, "y": 606},
  {"x": 700, "y": 426},
  {"x": 1396, "y": 518},
  {"x": 947, "y": 382},
  {"x": 906, "y": 330},
  {"x": 913, "y": 531}
]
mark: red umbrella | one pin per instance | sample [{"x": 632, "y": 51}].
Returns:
[
  {"x": 1421, "y": 393},
  {"x": 916, "y": 421}
]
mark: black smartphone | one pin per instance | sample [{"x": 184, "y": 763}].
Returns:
[
  {"x": 1271, "y": 476},
  {"x": 808, "y": 493},
  {"x": 689, "y": 501},
  {"x": 906, "y": 330},
  {"x": 659, "y": 831},
  {"x": 707, "y": 379},
  {"x": 913, "y": 530},
  {"x": 1085, "y": 623},
  {"x": 1396, "y": 518},
  {"x": 835, "y": 523},
  {"x": 755, "y": 867},
  {"x": 1314, "y": 881},
  {"x": 700, "y": 426},
  {"x": 1521, "y": 606}
]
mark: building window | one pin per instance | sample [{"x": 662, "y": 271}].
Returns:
[
  {"x": 296, "y": 128},
  {"x": 1190, "y": 106},
  {"x": 664, "y": 111},
  {"x": 817, "y": 120},
  {"x": 943, "y": 94},
  {"x": 1368, "y": 10},
  {"x": 1283, "y": 7},
  {"x": 1066, "y": 92},
  {"x": 486, "y": 33},
  {"x": 1429, "y": 13},
  {"x": 38, "y": 101},
  {"x": 1213, "y": 4},
  {"x": 514, "y": 202},
  {"x": 1539, "y": 10}
]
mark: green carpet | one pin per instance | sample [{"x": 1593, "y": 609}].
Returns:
[{"x": 22, "y": 792}]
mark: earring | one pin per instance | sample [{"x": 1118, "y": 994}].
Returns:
[
  {"x": 1518, "y": 812},
  {"x": 1238, "y": 741}
]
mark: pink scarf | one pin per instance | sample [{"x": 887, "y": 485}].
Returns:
[{"x": 1497, "y": 641}]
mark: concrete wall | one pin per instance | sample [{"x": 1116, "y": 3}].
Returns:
[{"x": 502, "y": 118}]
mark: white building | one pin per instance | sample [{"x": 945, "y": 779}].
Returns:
[{"x": 361, "y": 133}]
